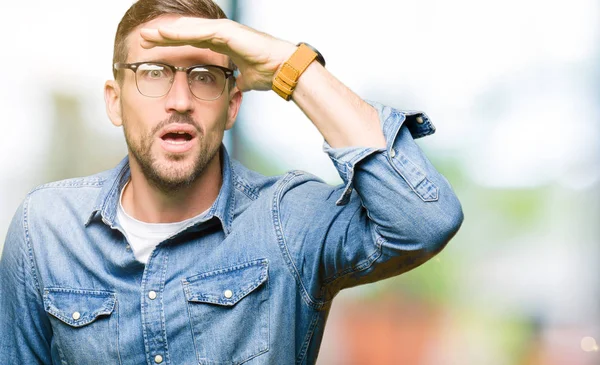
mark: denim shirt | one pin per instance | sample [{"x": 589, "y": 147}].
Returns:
[{"x": 251, "y": 282}]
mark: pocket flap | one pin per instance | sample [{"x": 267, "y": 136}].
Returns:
[
  {"x": 226, "y": 286},
  {"x": 78, "y": 307}
]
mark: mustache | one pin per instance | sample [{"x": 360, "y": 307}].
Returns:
[{"x": 180, "y": 119}]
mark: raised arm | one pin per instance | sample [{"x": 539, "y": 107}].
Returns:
[
  {"x": 394, "y": 210},
  {"x": 341, "y": 116}
]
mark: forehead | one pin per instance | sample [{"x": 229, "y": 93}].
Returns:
[{"x": 178, "y": 56}]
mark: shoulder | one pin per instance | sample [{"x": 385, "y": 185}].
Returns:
[
  {"x": 254, "y": 184},
  {"x": 301, "y": 185},
  {"x": 73, "y": 196},
  {"x": 295, "y": 186},
  {"x": 300, "y": 196},
  {"x": 71, "y": 185}
]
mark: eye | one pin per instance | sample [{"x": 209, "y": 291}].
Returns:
[
  {"x": 203, "y": 75},
  {"x": 155, "y": 74},
  {"x": 153, "y": 71}
]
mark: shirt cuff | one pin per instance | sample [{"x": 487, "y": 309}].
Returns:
[{"x": 345, "y": 159}]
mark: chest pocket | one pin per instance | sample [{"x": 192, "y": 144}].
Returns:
[
  {"x": 229, "y": 313},
  {"x": 84, "y": 323}
]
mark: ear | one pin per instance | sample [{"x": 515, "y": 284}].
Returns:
[
  {"x": 112, "y": 98},
  {"x": 235, "y": 100}
]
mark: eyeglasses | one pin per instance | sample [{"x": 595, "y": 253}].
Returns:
[{"x": 154, "y": 79}]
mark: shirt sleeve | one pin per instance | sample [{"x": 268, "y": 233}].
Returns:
[
  {"x": 393, "y": 212},
  {"x": 391, "y": 120},
  {"x": 26, "y": 332}
]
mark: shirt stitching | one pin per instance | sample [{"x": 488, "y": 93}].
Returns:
[
  {"x": 309, "y": 335},
  {"x": 317, "y": 305}
]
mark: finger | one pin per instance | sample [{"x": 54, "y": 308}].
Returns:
[
  {"x": 191, "y": 28},
  {"x": 187, "y": 36},
  {"x": 240, "y": 83},
  {"x": 151, "y": 34},
  {"x": 146, "y": 44},
  {"x": 175, "y": 34},
  {"x": 165, "y": 37},
  {"x": 155, "y": 36},
  {"x": 151, "y": 44}
]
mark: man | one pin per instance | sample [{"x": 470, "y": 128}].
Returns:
[{"x": 180, "y": 255}]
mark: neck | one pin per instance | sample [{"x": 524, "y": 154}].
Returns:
[{"x": 146, "y": 203}]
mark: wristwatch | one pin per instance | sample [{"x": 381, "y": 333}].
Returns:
[
  {"x": 286, "y": 78},
  {"x": 319, "y": 58}
]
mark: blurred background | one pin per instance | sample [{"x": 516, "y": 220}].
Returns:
[{"x": 513, "y": 88}]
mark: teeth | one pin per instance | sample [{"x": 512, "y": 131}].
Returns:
[{"x": 176, "y": 142}]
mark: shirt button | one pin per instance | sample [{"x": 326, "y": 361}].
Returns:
[
  {"x": 76, "y": 315},
  {"x": 392, "y": 153},
  {"x": 420, "y": 119},
  {"x": 152, "y": 294},
  {"x": 228, "y": 293},
  {"x": 128, "y": 248},
  {"x": 158, "y": 359}
]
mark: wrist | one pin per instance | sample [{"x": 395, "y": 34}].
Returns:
[{"x": 287, "y": 75}]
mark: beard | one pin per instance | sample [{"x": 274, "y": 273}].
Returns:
[{"x": 175, "y": 172}]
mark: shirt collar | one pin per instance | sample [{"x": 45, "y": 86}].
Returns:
[{"x": 105, "y": 207}]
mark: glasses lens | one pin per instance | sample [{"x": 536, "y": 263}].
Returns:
[
  {"x": 207, "y": 82},
  {"x": 153, "y": 79}
]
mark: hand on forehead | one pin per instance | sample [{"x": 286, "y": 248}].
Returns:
[
  {"x": 174, "y": 30},
  {"x": 256, "y": 54},
  {"x": 166, "y": 50}
]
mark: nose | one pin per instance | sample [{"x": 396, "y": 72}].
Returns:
[{"x": 180, "y": 98}]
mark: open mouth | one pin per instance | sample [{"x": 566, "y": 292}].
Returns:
[{"x": 177, "y": 137}]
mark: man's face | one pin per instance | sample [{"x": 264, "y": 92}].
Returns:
[{"x": 174, "y": 137}]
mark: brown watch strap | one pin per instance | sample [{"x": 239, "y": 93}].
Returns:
[{"x": 286, "y": 78}]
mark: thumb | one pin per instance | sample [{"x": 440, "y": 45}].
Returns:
[{"x": 240, "y": 82}]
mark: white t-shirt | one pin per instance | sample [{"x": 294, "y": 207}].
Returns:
[{"x": 143, "y": 237}]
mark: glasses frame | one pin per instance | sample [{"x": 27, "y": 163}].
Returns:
[{"x": 134, "y": 66}]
